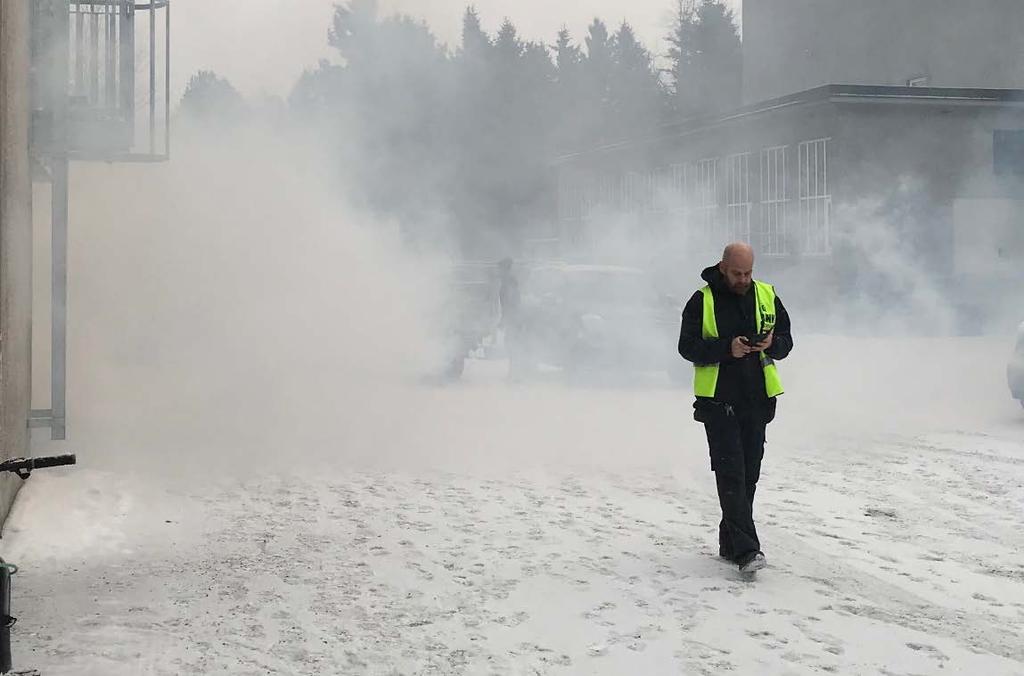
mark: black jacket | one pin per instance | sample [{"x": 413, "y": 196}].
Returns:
[{"x": 740, "y": 381}]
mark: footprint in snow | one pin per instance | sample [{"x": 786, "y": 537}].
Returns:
[{"x": 931, "y": 650}]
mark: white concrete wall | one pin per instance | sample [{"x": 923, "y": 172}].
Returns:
[{"x": 15, "y": 240}]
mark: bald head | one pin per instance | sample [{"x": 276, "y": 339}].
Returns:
[
  {"x": 737, "y": 266},
  {"x": 740, "y": 253}
]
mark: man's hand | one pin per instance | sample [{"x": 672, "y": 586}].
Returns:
[
  {"x": 761, "y": 347},
  {"x": 740, "y": 348}
]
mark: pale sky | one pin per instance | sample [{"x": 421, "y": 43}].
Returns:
[{"x": 263, "y": 45}]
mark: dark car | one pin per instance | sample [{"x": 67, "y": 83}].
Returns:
[
  {"x": 586, "y": 318},
  {"x": 1015, "y": 370}
]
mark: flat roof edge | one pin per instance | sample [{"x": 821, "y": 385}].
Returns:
[{"x": 830, "y": 93}]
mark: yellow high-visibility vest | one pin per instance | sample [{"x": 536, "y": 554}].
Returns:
[{"x": 705, "y": 377}]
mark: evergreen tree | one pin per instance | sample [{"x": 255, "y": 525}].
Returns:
[
  {"x": 706, "y": 57},
  {"x": 680, "y": 56},
  {"x": 470, "y": 134},
  {"x": 503, "y": 116},
  {"x": 475, "y": 42},
  {"x": 318, "y": 92},
  {"x": 635, "y": 94},
  {"x": 568, "y": 102},
  {"x": 385, "y": 102},
  {"x": 352, "y": 30},
  {"x": 568, "y": 59},
  {"x": 212, "y": 101},
  {"x": 597, "y": 73},
  {"x": 599, "y": 59}
]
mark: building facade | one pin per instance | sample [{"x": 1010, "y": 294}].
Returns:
[{"x": 831, "y": 184}]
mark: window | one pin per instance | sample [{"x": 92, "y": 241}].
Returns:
[
  {"x": 566, "y": 207},
  {"x": 571, "y": 197},
  {"x": 661, "y": 189},
  {"x": 773, "y": 201},
  {"x": 737, "y": 197},
  {"x": 575, "y": 193},
  {"x": 678, "y": 195},
  {"x": 608, "y": 194},
  {"x": 647, "y": 182},
  {"x": 632, "y": 192},
  {"x": 588, "y": 198},
  {"x": 1008, "y": 152},
  {"x": 815, "y": 198},
  {"x": 705, "y": 202}
]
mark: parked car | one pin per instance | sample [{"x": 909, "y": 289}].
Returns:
[
  {"x": 588, "y": 318},
  {"x": 1015, "y": 370}
]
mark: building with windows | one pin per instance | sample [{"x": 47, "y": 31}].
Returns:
[{"x": 820, "y": 178}]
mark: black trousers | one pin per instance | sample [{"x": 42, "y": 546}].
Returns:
[{"x": 736, "y": 438}]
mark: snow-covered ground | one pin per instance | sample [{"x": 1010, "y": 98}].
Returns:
[{"x": 545, "y": 529}]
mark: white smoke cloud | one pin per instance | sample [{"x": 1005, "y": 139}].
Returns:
[{"x": 226, "y": 305}]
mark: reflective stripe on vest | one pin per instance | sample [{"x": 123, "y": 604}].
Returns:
[{"x": 705, "y": 377}]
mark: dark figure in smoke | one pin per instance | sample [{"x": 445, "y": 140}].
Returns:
[
  {"x": 511, "y": 316},
  {"x": 733, "y": 330}
]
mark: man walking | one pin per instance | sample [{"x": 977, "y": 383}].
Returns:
[{"x": 734, "y": 330}]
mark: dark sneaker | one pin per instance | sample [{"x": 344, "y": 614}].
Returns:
[{"x": 752, "y": 562}]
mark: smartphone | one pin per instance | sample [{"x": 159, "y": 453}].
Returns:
[{"x": 756, "y": 338}]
